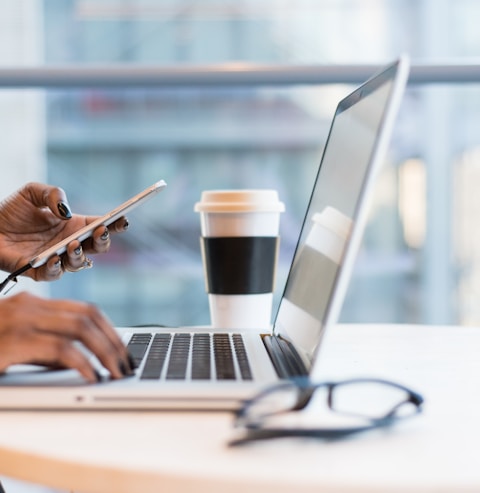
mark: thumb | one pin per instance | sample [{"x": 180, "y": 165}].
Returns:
[
  {"x": 49, "y": 196},
  {"x": 57, "y": 202}
]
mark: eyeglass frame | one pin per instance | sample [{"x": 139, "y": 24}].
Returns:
[{"x": 255, "y": 431}]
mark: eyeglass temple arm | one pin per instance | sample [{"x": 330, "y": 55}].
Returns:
[{"x": 413, "y": 398}]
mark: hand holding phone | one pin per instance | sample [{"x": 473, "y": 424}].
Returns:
[
  {"x": 82, "y": 234},
  {"x": 105, "y": 220}
]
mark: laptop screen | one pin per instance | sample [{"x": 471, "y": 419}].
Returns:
[{"x": 332, "y": 215}]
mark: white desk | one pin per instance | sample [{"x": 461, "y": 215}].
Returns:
[{"x": 186, "y": 452}]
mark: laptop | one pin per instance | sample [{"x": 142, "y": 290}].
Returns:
[{"x": 205, "y": 368}]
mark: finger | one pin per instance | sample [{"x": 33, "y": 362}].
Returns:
[
  {"x": 107, "y": 328},
  {"x": 66, "y": 320},
  {"x": 85, "y": 323},
  {"x": 120, "y": 225},
  {"x": 50, "y": 271},
  {"x": 101, "y": 240},
  {"x": 54, "y": 351},
  {"x": 54, "y": 198},
  {"x": 75, "y": 259}
]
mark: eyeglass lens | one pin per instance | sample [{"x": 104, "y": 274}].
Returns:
[{"x": 370, "y": 399}]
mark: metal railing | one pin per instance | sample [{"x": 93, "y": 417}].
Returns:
[{"x": 229, "y": 74}]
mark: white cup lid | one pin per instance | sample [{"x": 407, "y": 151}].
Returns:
[{"x": 239, "y": 201}]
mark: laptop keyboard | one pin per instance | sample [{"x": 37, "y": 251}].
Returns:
[{"x": 183, "y": 356}]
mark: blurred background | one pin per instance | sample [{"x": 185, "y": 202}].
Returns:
[{"x": 420, "y": 259}]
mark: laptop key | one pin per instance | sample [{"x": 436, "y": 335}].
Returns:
[
  {"x": 242, "y": 357},
  {"x": 137, "y": 347},
  {"x": 177, "y": 368},
  {"x": 156, "y": 357},
  {"x": 201, "y": 360},
  {"x": 223, "y": 357}
]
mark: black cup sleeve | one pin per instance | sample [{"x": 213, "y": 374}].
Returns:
[{"x": 240, "y": 264}]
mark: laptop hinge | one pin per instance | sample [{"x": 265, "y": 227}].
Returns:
[{"x": 284, "y": 356}]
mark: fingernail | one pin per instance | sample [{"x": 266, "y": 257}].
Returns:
[
  {"x": 98, "y": 376},
  {"x": 77, "y": 250},
  {"x": 64, "y": 210},
  {"x": 126, "y": 224},
  {"x": 105, "y": 235},
  {"x": 123, "y": 369},
  {"x": 131, "y": 361},
  {"x": 58, "y": 264}
]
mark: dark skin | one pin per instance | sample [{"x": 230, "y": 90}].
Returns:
[{"x": 43, "y": 331}]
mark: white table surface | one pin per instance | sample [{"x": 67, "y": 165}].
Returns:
[{"x": 132, "y": 452}]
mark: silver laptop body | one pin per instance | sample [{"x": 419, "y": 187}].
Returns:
[{"x": 221, "y": 368}]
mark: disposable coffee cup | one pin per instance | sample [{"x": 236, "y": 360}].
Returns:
[{"x": 239, "y": 245}]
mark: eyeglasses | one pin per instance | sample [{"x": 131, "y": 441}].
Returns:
[{"x": 369, "y": 402}]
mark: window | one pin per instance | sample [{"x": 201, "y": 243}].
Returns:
[{"x": 102, "y": 143}]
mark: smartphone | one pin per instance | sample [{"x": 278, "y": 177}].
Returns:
[{"x": 87, "y": 231}]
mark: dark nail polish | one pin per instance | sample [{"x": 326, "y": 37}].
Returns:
[
  {"x": 78, "y": 250},
  {"x": 124, "y": 370},
  {"x": 132, "y": 362},
  {"x": 126, "y": 224},
  {"x": 64, "y": 210},
  {"x": 98, "y": 376},
  {"x": 105, "y": 235}
]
